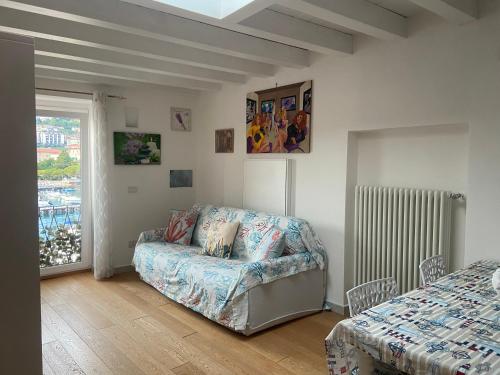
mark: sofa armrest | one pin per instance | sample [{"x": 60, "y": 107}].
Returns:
[
  {"x": 153, "y": 235},
  {"x": 268, "y": 270},
  {"x": 314, "y": 245}
]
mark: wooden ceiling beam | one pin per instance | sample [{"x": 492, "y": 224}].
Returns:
[{"x": 122, "y": 16}]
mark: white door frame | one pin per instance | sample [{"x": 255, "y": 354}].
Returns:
[{"x": 81, "y": 112}]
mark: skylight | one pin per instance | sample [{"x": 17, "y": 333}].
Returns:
[{"x": 212, "y": 8}]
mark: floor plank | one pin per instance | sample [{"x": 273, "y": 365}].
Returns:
[
  {"x": 137, "y": 353},
  {"x": 86, "y": 359},
  {"x": 114, "y": 359},
  {"x": 187, "y": 369},
  {"x": 124, "y": 326},
  {"x": 47, "y": 336},
  {"x": 58, "y": 360}
]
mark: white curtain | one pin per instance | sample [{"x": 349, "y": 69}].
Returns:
[{"x": 100, "y": 188}]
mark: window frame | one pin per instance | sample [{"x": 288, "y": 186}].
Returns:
[{"x": 81, "y": 113}]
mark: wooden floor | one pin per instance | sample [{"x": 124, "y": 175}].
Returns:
[{"x": 123, "y": 326}]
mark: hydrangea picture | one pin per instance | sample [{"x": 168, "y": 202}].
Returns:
[{"x": 137, "y": 148}]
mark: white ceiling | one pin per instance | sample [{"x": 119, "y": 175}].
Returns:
[
  {"x": 401, "y": 7},
  {"x": 154, "y": 42}
]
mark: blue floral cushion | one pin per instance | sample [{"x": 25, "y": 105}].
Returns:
[
  {"x": 271, "y": 245},
  {"x": 293, "y": 228}
]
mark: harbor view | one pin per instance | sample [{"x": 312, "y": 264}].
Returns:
[{"x": 59, "y": 190}]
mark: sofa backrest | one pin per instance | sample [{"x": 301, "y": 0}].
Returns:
[{"x": 291, "y": 226}]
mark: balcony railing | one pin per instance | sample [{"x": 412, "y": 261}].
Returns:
[{"x": 60, "y": 235}]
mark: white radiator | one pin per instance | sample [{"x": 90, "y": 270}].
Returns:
[{"x": 395, "y": 229}]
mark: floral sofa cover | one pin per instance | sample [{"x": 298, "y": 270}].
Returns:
[{"x": 216, "y": 287}]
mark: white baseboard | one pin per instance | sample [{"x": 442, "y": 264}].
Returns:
[{"x": 339, "y": 309}]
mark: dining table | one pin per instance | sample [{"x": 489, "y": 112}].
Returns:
[{"x": 448, "y": 327}]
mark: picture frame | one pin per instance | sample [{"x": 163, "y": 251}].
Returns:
[
  {"x": 251, "y": 110},
  {"x": 307, "y": 101},
  {"x": 131, "y": 117},
  {"x": 181, "y": 178},
  {"x": 136, "y": 148},
  {"x": 224, "y": 141},
  {"x": 180, "y": 119},
  {"x": 289, "y": 103},
  {"x": 267, "y": 106},
  {"x": 281, "y": 125}
]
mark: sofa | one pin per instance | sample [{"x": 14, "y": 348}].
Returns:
[{"x": 238, "y": 293}]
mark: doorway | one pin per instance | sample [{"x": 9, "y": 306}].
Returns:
[{"x": 64, "y": 220}]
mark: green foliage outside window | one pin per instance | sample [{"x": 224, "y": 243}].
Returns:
[{"x": 62, "y": 167}]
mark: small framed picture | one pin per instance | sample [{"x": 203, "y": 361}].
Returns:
[
  {"x": 267, "y": 106},
  {"x": 181, "y": 178},
  {"x": 131, "y": 117},
  {"x": 289, "y": 103},
  {"x": 180, "y": 119},
  {"x": 308, "y": 101},
  {"x": 251, "y": 110},
  {"x": 224, "y": 141}
]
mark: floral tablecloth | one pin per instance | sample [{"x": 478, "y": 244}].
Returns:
[{"x": 451, "y": 326}]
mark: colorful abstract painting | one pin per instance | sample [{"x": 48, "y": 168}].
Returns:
[
  {"x": 180, "y": 119},
  {"x": 137, "y": 148},
  {"x": 282, "y": 123}
]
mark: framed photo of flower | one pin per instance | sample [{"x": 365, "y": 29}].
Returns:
[{"x": 137, "y": 148}]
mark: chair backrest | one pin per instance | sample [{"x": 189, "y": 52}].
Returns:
[
  {"x": 371, "y": 294},
  {"x": 432, "y": 269}
]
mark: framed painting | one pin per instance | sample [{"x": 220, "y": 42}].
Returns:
[
  {"x": 267, "y": 106},
  {"x": 307, "y": 100},
  {"x": 180, "y": 119},
  {"x": 282, "y": 123},
  {"x": 289, "y": 103},
  {"x": 137, "y": 148},
  {"x": 181, "y": 178},
  {"x": 224, "y": 141},
  {"x": 251, "y": 110}
]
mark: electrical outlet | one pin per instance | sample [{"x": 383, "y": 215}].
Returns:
[
  {"x": 131, "y": 244},
  {"x": 133, "y": 189}
]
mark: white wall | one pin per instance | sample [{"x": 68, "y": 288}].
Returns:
[
  {"x": 433, "y": 157},
  {"x": 21, "y": 348},
  {"x": 149, "y": 208},
  {"x": 441, "y": 74}
]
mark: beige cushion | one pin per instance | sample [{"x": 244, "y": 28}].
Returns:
[{"x": 220, "y": 238}]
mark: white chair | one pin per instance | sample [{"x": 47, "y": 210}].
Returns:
[
  {"x": 432, "y": 269},
  {"x": 371, "y": 294}
]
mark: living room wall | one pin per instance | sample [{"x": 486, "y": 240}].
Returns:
[
  {"x": 149, "y": 207},
  {"x": 442, "y": 74}
]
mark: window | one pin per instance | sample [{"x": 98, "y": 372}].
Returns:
[{"x": 63, "y": 209}]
